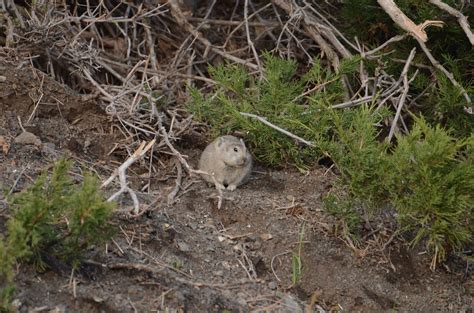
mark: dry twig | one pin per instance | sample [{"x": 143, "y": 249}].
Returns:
[
  {"x": 462, "y": 19},
  {"x": 281, "y": 130},
  {"x": 417, "y": 31},
  {"x": 406, "y": 86},
  {"x": 121, "y": 173}
]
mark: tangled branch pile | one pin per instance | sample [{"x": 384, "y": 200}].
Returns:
[{"x": 138, "y": 59}]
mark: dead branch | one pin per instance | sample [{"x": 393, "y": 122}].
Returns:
[
  {"x": 462, "y": 19},
  {"x": 181, "y": 19},
  {"x": 417, "y": 31},
  {"x": 313, "y": 28},
  {"x": 281, "y": 130},
  {"x": 406, "y": 86},
  {"x": 249, "y": 40},
  {"x": 121, "y": 173}
]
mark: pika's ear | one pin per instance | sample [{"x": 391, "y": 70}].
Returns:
[{"x": 219, "y": 142}]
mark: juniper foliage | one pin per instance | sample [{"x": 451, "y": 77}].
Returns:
[
  {"x": 431, "y": 183},
  {"x": 276, "y": 97},
  {"x": 56, "y": 218}
]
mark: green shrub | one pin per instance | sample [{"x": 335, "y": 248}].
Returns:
[
  {"x": 7, "y": 261},
  {"x": 445, "y": 105},
  {"x": 276, "y": 98},
  {"x": 56, "y": 218},
  {"x": 358, "y": 154},
  {"x": 431, "y": 184}
]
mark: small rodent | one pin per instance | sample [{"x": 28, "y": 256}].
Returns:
[{"x": 228, "y": 161}]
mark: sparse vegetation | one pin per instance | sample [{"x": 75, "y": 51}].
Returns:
[
  {"x": 53, "y": 218},
  {"x": 296, "y": 263}
]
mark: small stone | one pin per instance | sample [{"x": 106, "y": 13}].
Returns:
[
  {"x": 219, "y": 273},
  {"x": 27, "y": 138},
  {"x": 184, "y": 247},
  {"x": 17, "y": 304},
  {"x": 98, "y": 299},
  {"x": 251, "y": 238},
  {"x": 290, "y": 305},
  {"x": 2, "y": 79},
  {"x": 272, "y": 285},
  {"x": 266, "y": 237}
]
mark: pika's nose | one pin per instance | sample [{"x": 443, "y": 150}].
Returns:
[{"x": 225, "y": 184}]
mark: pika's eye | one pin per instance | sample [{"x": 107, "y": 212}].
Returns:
[{"x": 236, "y": 149}]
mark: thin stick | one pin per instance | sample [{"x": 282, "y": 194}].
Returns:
[
  {"x": 404, "y": 94},
  {"x": 37, "y": 102},
  {"x": 249, "y": 40},
  {"x": 373, "y": 51},
  {"x": 232, "y": 23},
  {"x": 462, "y": 19},
  {"x": 264, "y": 121},
  {"x": 179, "y": 178},
  {"x": 121, "y": 173}
]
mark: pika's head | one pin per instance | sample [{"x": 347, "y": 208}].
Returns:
[{"x": 232, "y": 150}]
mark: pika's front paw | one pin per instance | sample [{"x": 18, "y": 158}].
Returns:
[
  {"x": 231, "y": 187},
  {"x": 220, "y": 186}
]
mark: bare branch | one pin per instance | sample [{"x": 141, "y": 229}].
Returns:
[
  {"x": 462, "y": 19},
  {"x": 281, "y": 130},
  {"x": 404, "y": 75},
  {"x": 417, "y": 31}
]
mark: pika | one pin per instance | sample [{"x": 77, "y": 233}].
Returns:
[{"x": 227, "y": 162}]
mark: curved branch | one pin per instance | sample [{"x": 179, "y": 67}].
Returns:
[
  {"x": 462, "y": 19},
  {"x": 418, "y": 31}
]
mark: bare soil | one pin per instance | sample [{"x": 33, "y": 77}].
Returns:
[{"x": 190, "y": 256}]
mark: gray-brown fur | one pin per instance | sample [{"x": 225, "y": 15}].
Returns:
[{"x": 227, "y": 161}]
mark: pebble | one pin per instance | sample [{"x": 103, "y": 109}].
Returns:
[
  {"x": 17, "y": 304},
  {"x": 184, "y": 247},
  {"x": 27, "y": 138},
  {"x": 2, "y": 79},
  {"x": 272, "y": 285},
  {"x": 290, "y": 305}
]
